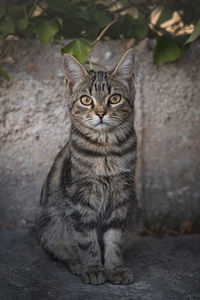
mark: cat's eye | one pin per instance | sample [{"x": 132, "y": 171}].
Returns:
[
  {"x": 114, "y": 99},
  {"x": 86, "y": 100}
]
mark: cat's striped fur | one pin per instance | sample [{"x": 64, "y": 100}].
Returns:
[{"x": 88, "y": 205}]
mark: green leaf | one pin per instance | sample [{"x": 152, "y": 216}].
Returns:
[
  {"x": 46, "y": 30},
  {"x": 166, "y": 50},
  {"x": 125, "y": 26},
  {"x": 165, "y": 15},
  {"x": 102, "y": 18},
  {"x": 140, "y": 27},
  {"x": 16, "y": 11},
  {"x": 78, "y": 48},
  {"x": 2, "y": 11},
  {"x": 60, "y": 21},
  {"x": 140, "y": 30},
  {"x": 58, "y": 5},
  {"x": 1, "y": 38},
  {"x": 7, "y": 26},
  {"x": 195, "y": 34},
  {"x": 4, "y": 74},
  {"x": 21, "y": 24}
]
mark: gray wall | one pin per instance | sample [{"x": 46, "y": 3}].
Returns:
[{"x": 34, "y": 126}]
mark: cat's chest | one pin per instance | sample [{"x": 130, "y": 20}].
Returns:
[
  {"x": 100, "y": 158},
  {"x": 108, "y": 166}
]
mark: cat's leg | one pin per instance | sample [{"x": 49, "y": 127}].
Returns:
[
  {"x": 85, "y": 234},
  {"x": 114, "y": 265},
  {"x": 57, "y": 241},
  {"x": 65, "y": 253}
]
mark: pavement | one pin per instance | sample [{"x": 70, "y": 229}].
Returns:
[{"x": 164, "y": 269}]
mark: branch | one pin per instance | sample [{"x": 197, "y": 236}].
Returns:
[
  {"x": 32, "y": 9},
  {"x": 104, "y": 30}
]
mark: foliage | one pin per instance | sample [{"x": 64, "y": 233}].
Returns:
[
  {"x": 86, "y": 20},
  {"x": 78, "y": 48},
  {"x": 166, "y": 50}
]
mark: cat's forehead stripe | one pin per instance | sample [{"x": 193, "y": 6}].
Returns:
[{"x": 100, "y": 81}]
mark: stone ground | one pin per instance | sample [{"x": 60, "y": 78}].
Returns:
[{"x": 167, "y": 268}]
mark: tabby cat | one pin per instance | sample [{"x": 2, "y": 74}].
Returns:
[{"x": 88, "y": 205}]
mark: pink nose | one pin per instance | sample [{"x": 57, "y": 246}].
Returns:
[{"x": 101, "y": 114}]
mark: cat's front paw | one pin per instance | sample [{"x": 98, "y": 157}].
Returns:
[
  {"x": 75, "y": 267},
  {"x": 121, "y": 275},
  {"x": 94, "y": 275}
]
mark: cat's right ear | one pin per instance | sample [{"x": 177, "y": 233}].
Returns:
[
  {"x": 125, "y": 68},
  {"x": 73, "y": 70}
]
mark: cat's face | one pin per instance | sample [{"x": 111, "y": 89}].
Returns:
[{"x": 100, "y": 100}]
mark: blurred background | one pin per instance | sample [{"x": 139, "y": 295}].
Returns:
[{"x": 34, "y": 122}]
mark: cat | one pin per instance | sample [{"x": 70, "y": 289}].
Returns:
[{"x": 89, "y": 210}]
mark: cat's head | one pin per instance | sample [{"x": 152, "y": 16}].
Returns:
[{"x": 100, "y": 100}]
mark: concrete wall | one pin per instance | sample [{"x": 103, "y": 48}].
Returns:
[{"x": 34, "y": 126}]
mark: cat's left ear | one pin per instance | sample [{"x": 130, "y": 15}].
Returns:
[{"x": 125, "y": 68}]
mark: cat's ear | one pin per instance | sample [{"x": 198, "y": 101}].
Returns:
[
  {"x": 125, "y": 68},
  {"x": 73, "y": 70}
]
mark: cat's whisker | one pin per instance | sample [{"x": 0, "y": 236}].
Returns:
[{"x": 123, "y": 134}]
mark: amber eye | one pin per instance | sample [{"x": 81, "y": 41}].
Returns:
[
  {"x": 86, "y": 100},
  {"x": 114, "y": 99}
]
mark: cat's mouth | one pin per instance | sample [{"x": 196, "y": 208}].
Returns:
[{"x": 101, "y": 124}]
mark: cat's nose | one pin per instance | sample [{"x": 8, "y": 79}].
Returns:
[{"x": 100, "y": 114}]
